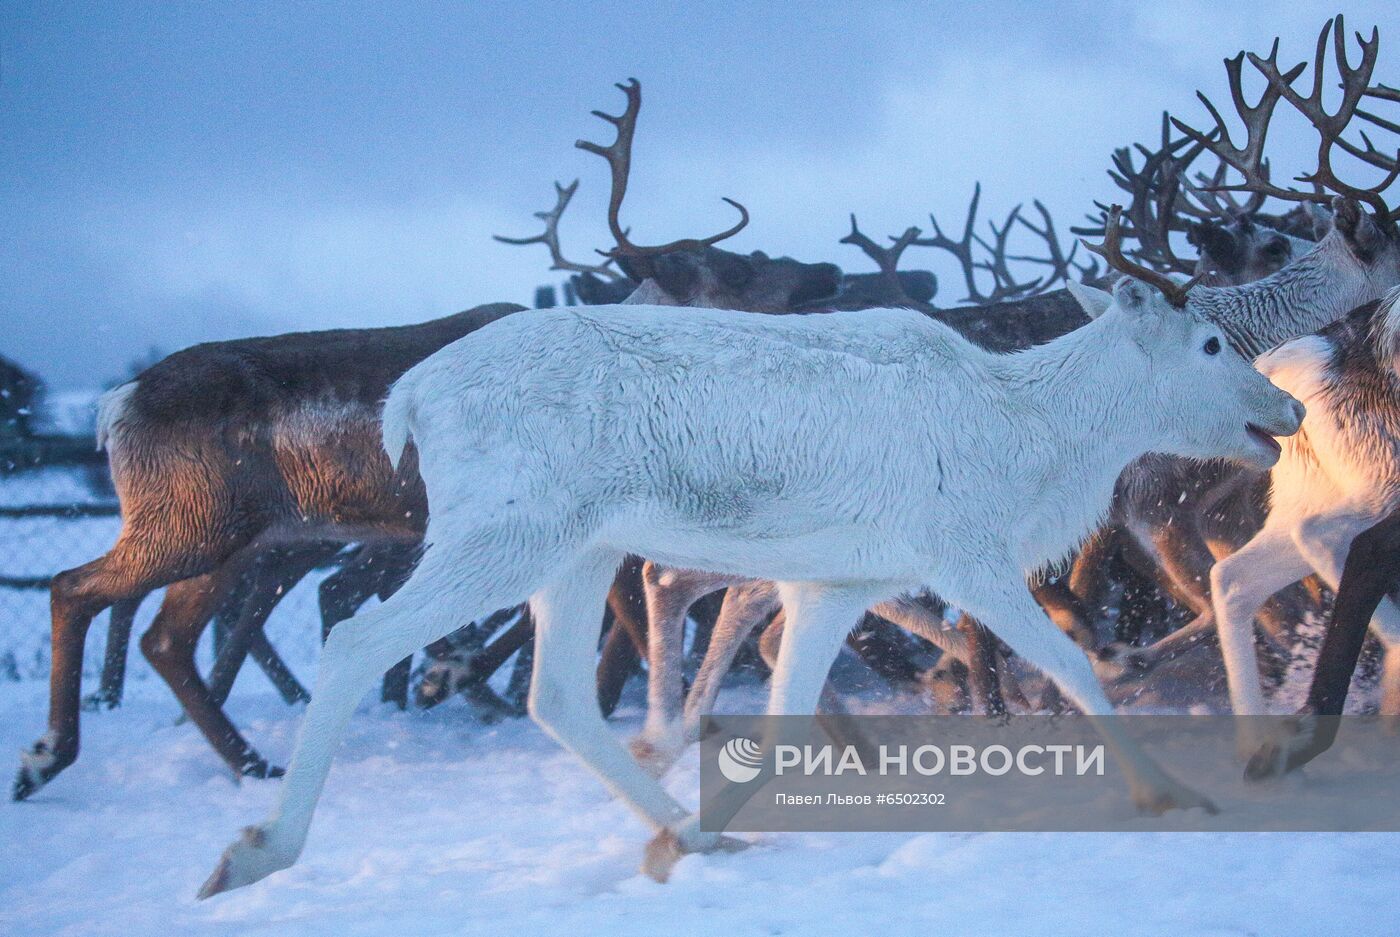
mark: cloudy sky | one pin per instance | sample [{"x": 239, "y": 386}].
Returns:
[{"x": 180, "y": 173}]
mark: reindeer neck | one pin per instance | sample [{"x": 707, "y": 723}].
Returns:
[
  {"x": 1082, "y": 397},
  {"x": 1297, "y": 300},
  {"x": 1088, "y": 386}
]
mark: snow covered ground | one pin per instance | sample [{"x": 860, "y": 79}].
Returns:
[{"x": 435, "y": 824}]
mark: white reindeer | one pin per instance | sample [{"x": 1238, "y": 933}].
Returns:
[
  {"x": 745, "y": 444},
  {"x": 1355, "y": 262}
]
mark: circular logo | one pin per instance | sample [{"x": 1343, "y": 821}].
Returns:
[{"x": 739, "y": 760}]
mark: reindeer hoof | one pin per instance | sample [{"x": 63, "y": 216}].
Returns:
[
  {"x": 666, "y": 849},
  {"x": 1270, "y": 761},
  {"x": 1294, "y": 746},
  {"x": 26, "y": 783},
  {"x": 661, "y": 856},
  {"x": 38, "y": 766},
  {"x": 247, "y": 859},
  {"x": 96, "y": 702},
  {"x": 258, "y": 768},
  {"x": 1167, "y": 794}
]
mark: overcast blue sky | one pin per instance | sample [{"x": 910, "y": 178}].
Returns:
[{"x": 178, "y": 173}]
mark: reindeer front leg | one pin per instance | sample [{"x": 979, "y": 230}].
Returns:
[{"x": 1370, "y": 570}]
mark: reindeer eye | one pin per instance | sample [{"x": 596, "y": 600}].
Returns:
[{"x": 1212, "y": 346}]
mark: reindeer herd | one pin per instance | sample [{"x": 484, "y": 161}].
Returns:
[{"x": 828, "y": 450}]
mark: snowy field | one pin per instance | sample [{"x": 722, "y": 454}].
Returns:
[{"x": 435, "y": 824}]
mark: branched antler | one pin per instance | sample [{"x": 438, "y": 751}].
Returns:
[
  {"x": 886, "y": 258},
  {"x": 1155, "y": 206},
  {"x": 1003, "y": 287},
  {"x": 1111, "y": 250},
  {"x": 1211, "y": 199},
  {"x": 1248, "y": 159},
  {"x": 976, "y": 254},
  {"x": 619, "y": 157},
  {"x": 960, "y": 249},
  {"x": 1371, "y": 154},
  {"x": 550, "y": 237},
  {"x": 1061, "y": 264}
]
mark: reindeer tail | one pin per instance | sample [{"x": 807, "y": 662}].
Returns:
[{"x": 398, "y": 418}]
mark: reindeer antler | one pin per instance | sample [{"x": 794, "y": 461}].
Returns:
[
  {"x": 1059, "y": 262},
  {"x": 1215, "y": 201},
  {"x": 1248, "y": 159},
  {"x": 886, "y": 258},
  {"x": 1355, "y": 84},
  {"x": 1111, "y": 250},
  {"x": 619, "y": 157},
  {"x": 1371, "y": 154},
  {"x": 960, "y": 249},
  {"x": 550, "y": 237},
  {"x": 1004, "y": 285},
  {"x": 1155, "y": 188}
]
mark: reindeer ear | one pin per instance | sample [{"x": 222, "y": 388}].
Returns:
[
  {"x": 1358, "y": 229},
  {"x": 1094, "y": 301},
  {"x": 1346, "y": 213},
  {"x": 1134, "y": 296}
]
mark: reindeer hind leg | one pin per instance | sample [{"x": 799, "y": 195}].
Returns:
[
  {"x": 169, "y": 645},
  {"x": 122, "y": 618},
  {"x": 470, "y": 571},
  {"x": 131, "y": 569}
]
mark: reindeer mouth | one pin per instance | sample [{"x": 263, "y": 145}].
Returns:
[{"x": 1266, "y": 442}]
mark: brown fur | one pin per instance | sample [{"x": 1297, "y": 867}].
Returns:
[{"x": 216, "y": 452}]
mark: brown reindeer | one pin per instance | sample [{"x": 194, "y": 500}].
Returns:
[{"x": 217, "y": 453}]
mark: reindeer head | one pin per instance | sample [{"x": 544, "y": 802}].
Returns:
[
  {"x": 1208, "y": 400},
  {"x": 1242, "y": 251},
  {"x": 685, "y": 272},
  {"x": 1360, "y": 238},
  {"x": 692, "y": 271}
]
